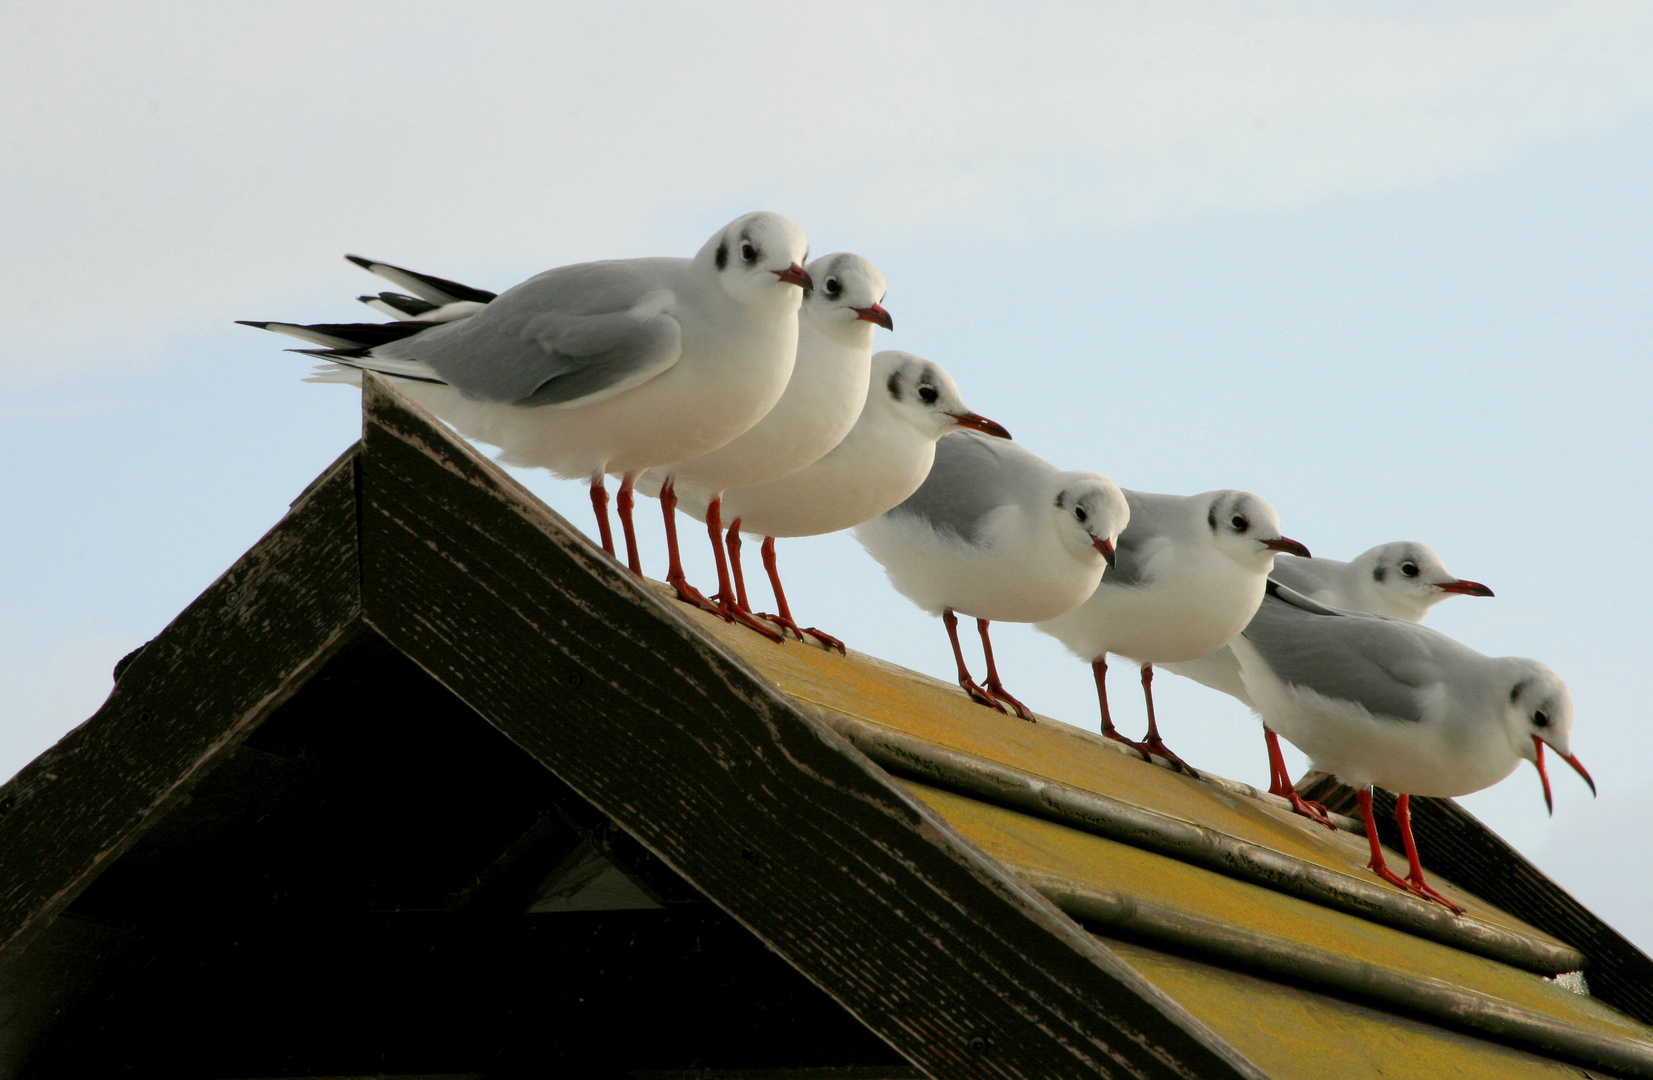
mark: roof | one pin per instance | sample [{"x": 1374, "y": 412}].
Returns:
[{"x": 423, "y": 716}]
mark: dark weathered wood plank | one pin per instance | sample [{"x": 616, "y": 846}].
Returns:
[
  {"x": 1477, "y": 858},
  {"x": 186, "y": 699},
  {"x": 965, "y": 971}
]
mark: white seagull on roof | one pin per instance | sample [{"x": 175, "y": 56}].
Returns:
[
  {"x": 910, "y": 402},
  {"x": 997, "y": 533},
  {"x": 819, "y": 407},
  {"x": 1373, "y": 700},
  {"x": 1189, "y": 575},
  {"x": 616, "y": 366},
  {"x": 1400, "y": 580}
]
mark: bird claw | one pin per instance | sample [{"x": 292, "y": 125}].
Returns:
[
  {"x": 692, "y": 596},
  {"x": 732, "y": 611},
  {"x": 998, "y": 694},
  {"x": 1417, "y": 888},
  {"x": 1315, "y": 812},
  {"x": 979, "y": 695},
  {"x": 1155, "y": 746},
  {"x": 827, "y": 640}
]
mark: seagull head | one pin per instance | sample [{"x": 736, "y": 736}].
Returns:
[
  {"x": 1247, "y": 530},
  {"x": 758, "y": 259},
  {"x": 924, "y": 395},
  {"x": 1538, "y": 713},
  {"x": 1403, "y": 580},
  {"x": 1090, "y": 512},
  {"x": 847, "y": 300}
]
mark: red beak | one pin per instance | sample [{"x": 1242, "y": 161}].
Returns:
[
  {"x": 1105, "y": 546},
  {"x": 795, "y": 275},
  {"x": 1287, "y": 545},
  {"x": 875, "y": 314},
  {"x": 979, "y": 423},
  {"x": 1468, "y": 588},
  {"x": 1544, "y": 775}
]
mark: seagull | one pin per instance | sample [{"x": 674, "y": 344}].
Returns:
[
  {"x": 910, "y": 402},
  {"x": 1375, "y": 700},
  {"x": 617, "y": 366},
  {"x": 1189, "y": 575},
  {"x": 1000, "y": 534},
  {"x": 1400, "y": 580},
  {"x": 819, "y": 407}
]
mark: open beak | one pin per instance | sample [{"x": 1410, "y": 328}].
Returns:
[
  {"x": 1287, "y": 545},
  {"x": 979, "y": 423},
  {"x": 1105, "y": 546},
  {"x": 1544, "y": 775},
  {"x": 1467, "y": 588},
  {"x": 875, "y": 314},
  {"x": 795, "y": 275}
]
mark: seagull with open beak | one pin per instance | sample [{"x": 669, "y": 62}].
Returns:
[{"x": 1373, "y": 700}]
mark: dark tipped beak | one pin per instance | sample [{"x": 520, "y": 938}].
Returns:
[
  {"x": 1287, "y": 545},
  {"x": 1467, "y": 588},
  {"x": 1544, "y": 774},
  {"x": 875, "y": 314},
  {"x": 1105, "y": 546},
  {"x": 795, "y": 275},
  {"x": 979, "y": 423}
]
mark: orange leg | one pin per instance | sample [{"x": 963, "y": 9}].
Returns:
[
  {"x": 1280, "y": 784},
  {"x": 977, "y": 694},
  {"x": 623, "y": 503},
  {"x": 994, "y": 688},
  {"x": 726, "y": 599},
  {"x": 785, "y": 619},
  {"x": 1380, "y": 867},
  {"x": 599, "y": 506},
  {"x": 1153, "y": 742}
]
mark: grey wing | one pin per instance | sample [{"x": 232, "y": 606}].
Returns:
[
  {"x": 567, "y": 337},
  {"x": 1378, "y": 663},
  {"x": 1153, "y": 517},
  {"x": 1304, "y": 575},
  {"x": 973, "y": 475}
]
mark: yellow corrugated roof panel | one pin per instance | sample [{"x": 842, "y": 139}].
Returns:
[
  {"x": 1031, "y": 844},
  {"x": 1296, "y": 1034}
]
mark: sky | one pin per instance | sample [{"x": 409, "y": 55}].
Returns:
[{"x": 1386, "y": 265}]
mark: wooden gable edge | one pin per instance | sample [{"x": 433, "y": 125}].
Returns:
[
  {"x": 1618, "y": 972},
  {"x": 182, "y": 704},
  {"x": 962, "y": 968}
]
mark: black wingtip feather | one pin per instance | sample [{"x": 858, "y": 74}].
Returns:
[{"x": 452, "y": 289}]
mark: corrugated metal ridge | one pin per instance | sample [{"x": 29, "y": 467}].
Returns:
[
  {"x": 1419, "y": 996},
  {"x": 1014, "y": 789}
]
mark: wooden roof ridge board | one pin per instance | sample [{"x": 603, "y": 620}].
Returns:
[
  {"x": 1618, "y": 972},
  {"x": 939, "y": 950}
]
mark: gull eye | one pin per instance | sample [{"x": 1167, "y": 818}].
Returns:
[
  {"x": 832, "y": 286},
  {"x": 1079, "y": 512},
  {"x": 1540, "y": 719},
  {"x": 748, "y": 252},
  {"x": 1239, "y": 522},
  {"x": 928, "y": 394},
  {"x": 1410, "y": 569}
]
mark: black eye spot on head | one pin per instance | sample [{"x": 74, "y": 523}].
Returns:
[
  {"x": 832, "y": 287},
  {"x": 1540, "y": 719},
  {"x": 1515, "y": 691},
  {"x": 893, "y": 385},
  {"x": 723, "y": 255},
  {"x": 928, "y": 394},
  {"x": 748, "y": 251},
  {"x": 1379, "y": 574},
  {"x": 1079, "y": 512},
  {"x": 1410, "y": 569},
  {"x": 1239, "y": 522},
  {"x": 1061, "y": 499}
]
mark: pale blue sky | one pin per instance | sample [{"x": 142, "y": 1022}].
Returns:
[{"x": 1388, "y": 268}]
